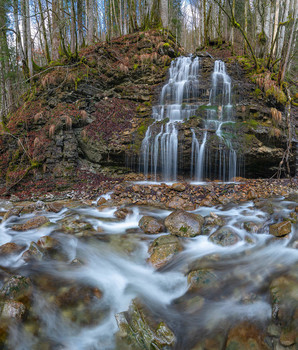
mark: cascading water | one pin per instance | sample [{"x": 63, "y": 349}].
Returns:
[
  {"x": 179, "y": 100},
  {"x": 219, "y": 112},
  {"x": 160, "y": 151}
]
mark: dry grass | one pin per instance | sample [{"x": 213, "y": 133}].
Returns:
[
  {"x": 123, "y": 68},
  {"x": 37, "y": 116},
  {"x": 84, "y": 134},
  {"x": 52, "y": 130},
  {"x": 84, "y": 115},
  {"x": 36, "y": 142},
  {"x": 276, "y": 116},
  {"x": 68, "y": 121},
  {"x": 275, "y": 132}
]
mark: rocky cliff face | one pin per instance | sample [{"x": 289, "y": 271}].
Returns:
[{"x": 92, "y": 114}]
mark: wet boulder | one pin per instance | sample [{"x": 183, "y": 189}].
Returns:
[
  {"x": 280, "y": 229},
  {"x": 77, "y": 227},
  {"x": 284, "y": 298},
  {"x": 246, "y": 336},
  {"x": 138, "y": 328},
  {"x": 251, "y": 226},
  {"x": 202, "y": 279},
  {"x": 18, "y": 288},
  {"x": 163, "y": 249},
  {"x": 55, "y": 207},
  {"x": 48, "y": 243},
  {"x": 214, "y": 220},
  {"x": 12, "y": 212},
  {"x": 31, "y": 224},
  {"x": 224, "y": 236},
  {"x": 184, "y": 224},
  {"x": 10, "y": 248},
  {"x": 151, "y": 225},
  {"x": 34, "y": 252},
  {"x": 13, "y": 310},
  {"x": 122, "y": 213}
]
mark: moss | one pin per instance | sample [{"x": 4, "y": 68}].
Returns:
[
  {"x": 205, "y": 107},
  {"x": 142, "y": 130},
  {"x": 135, "y": 66},
  {"x": 278, "y": 94},
  {"x": 252, "y": 123},
  {"x": 183, "y": 229},
  {"x": 166, "y": 45},
  {"x": 257, "y": 92}
]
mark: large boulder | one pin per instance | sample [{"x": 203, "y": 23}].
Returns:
[
  {"x": 163, "y": 249},
  {"x": 151, "y": 225},
  {"x": 184, "y": 224}
]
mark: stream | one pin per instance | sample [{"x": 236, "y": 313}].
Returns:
[{"x": 97, "y": 264}]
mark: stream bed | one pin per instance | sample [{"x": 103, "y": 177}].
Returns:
[{"x": 85, "y": 273}]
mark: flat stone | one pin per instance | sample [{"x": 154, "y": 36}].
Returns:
[
  {"x": 34, "y": 223},
  {"x": 55, "y": 207},
  {"x": 280, "y": 229},
  {"x": 179, "y": 187}
]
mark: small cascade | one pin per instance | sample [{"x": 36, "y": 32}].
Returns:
[
  {"x": 159, "y": 152},
  {"x": 219, "y": 112},
  {"x": 179, "y": 100}
]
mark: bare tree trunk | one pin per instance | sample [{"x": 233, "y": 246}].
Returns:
[
  {"x": 90, "y": 23},
  {"x": 285, "y": 62},
  {"x": 164, "y": 13},
  {"x": 276, "y": 19},
  {"x": 55, "y": 30},
  {"x": 19, "y": 45},
  {"x": 44, "y": 33},
  {"x": 125, "y": 30},
  {"x": 80, "y": 23},
  {"x": 245, "y": 23},
  {"x": 29, "y": 40},
  {"x": 232, "y": 30},
  {"x": 283, "y": 29},
  {"x": 73, "y": 36}
]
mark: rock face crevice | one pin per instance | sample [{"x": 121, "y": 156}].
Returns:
[{"x": 94, "y": 114}]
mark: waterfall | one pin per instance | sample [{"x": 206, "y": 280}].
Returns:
[
  {"x": 159, "y": 153},
  {"x": 179, "y": 100},
  {"x": 220, "y": 112}
]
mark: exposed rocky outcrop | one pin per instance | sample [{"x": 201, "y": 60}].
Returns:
[{"x": 91, "y": 115}]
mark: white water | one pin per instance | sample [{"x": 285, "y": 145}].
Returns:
[
  {"x": 220, "y": 112},
  {"x": 178, "y": 102},
  {"x": 122, "y": 273},
  {"x": 159, "y": 152}
]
